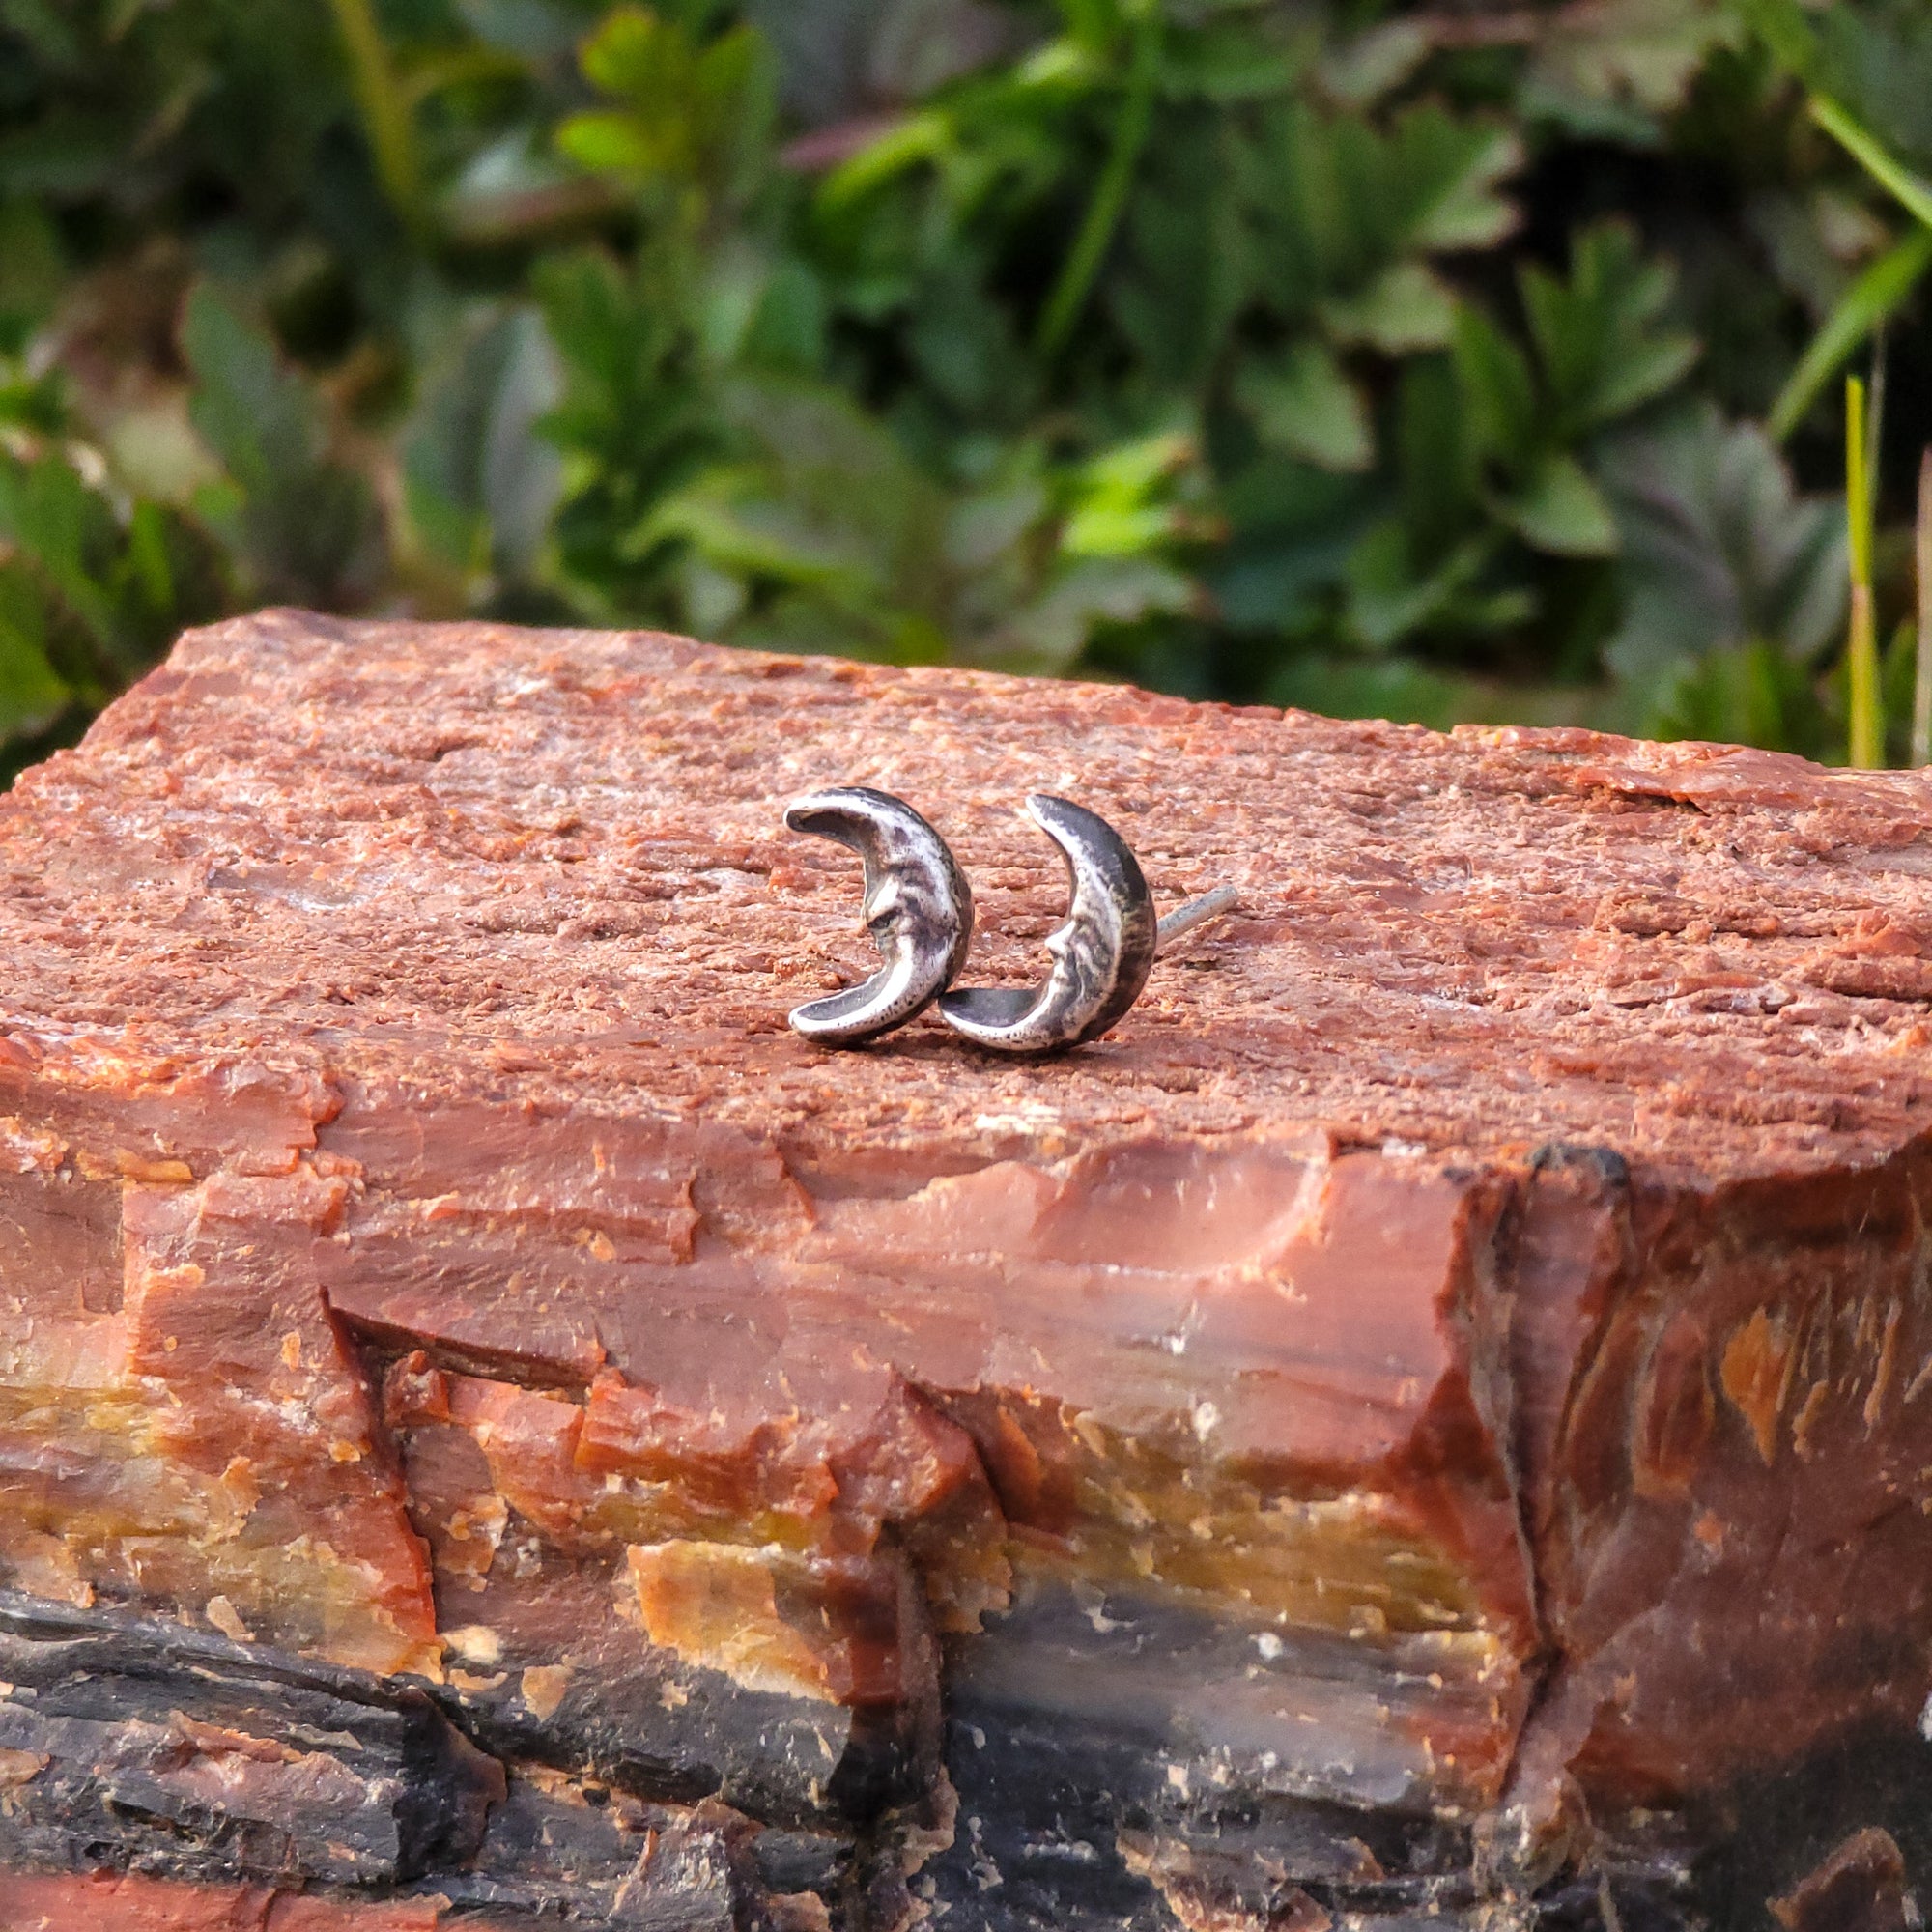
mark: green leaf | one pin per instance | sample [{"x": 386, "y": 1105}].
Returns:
[
  {"x": 966, "y": 346},
  {"x": 787, "y": 328},
  {"x": 1405, "y": 308},
  {"x": 1228, "y": 61},
  {"x": 1749, "y": 693},
  {"x": 1094, "y": 239},
  {"x": 1302, "y": 405},
  {"x": 1866, "y": 304},
  {"x": 1386, "y": 598},
  {"x": 44, "y": 26},
  {"x": 1360, "y": 72},
  {"x": 258, "y": 420},
  {"x": 1498, "y": 390},
  {"x": 1463, "y": 163},
  {"x": 983, "y": 528},
  {"x": 1049, "y": 634},
  {"x": 1339, "y": 200},
  {"x": 1390, "y": 597},
  {"x": 690, "y": 114},
  {"x": 1596, "y": 335},
  {"x": 1875, "y": 65},
  {"x": 637, "y": 421},
  {"x": 1292, "y": 528},
  {"x": 151, "y": 570},
  {"x": 1719, "y": 550},
  {"x": 31, "y": 269},
  {"x": 822, "y": 500},
  {"x": 32, "y": 693},
  {"x": 308, "y": 529},
  {"x": 1641, "y": 52},
  {"x": 607, "y": 142},
  {"x": 1781, "y": 25},
  {"x": 1439, "y": 477},
  {"x": 1179, "y": 282},
  {"x": 1110, "y": 529},
  {"x": 387, "y": 118},
  {"x": 633, "y": 52},
  {"x": 735, "y": 523},
  {"x": 67, "y": 533},
  {"x": 1558, "y": 509},
  {"x": 735, "y": 103},
  {"x": 69, "y": 154},
  {"x": 480, "y": 484},
  {"x": 1120, "y": 499},
  {"x": 898, "y": 148}
]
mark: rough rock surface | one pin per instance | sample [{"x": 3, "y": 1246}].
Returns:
[{"x": 1422, "y": 1419}]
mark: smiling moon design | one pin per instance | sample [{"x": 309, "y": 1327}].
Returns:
[
  {"x": 1102, "y": 954},
  {"x": 918, "y": 908}
]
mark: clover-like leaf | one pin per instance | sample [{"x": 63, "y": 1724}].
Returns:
[
  {"x": 1302, "y": 404},
  {"x": 1405, "y": 308},
  {"x": 1498, "y": 388},
  {"x": 1599, "y": 334},
  {"x": 1556, "y": 508},
  {"x": 1719, "y": 550},
  {"x": 1452, "y": 170},
  {"x": 1642, "y": 54}
]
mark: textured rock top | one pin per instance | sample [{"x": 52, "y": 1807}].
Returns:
[{"x": 472, "y": 862}]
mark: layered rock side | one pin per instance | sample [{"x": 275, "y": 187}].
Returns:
[{"x": 1423, "y": 1419}]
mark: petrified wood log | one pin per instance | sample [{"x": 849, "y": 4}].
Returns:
[{"x": 1430, "y": 1418}]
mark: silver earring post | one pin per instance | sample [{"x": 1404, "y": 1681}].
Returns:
[{"x": 1184, "y": 918}]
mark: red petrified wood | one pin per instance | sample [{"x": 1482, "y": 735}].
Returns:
[{"x": 1429, "y": 1416}]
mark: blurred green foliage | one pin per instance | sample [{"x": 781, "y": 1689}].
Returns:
[{"x": 1460, "y": 361}]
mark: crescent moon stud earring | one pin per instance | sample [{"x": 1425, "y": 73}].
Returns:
[
  {"x": 918, "y": 908},
  {"x": 1103, "y": 953}
]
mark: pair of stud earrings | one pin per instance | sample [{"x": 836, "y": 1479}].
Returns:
[{"x": 918, "y": 910}]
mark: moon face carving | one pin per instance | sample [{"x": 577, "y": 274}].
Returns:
[
  {"x": 1102, "y": 954},
  {"x": 918, "y": 907}
]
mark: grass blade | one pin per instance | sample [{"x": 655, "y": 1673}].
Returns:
[
  {"x": 1110, "y": 198},
  {"x": 1869, "y": 301},
  {"x": 1866, "y": 749},
  {"x": 1912, "y": 190},
  {"x": 1874, "y": 435},
  {"x": 1922, "y": 684},
  {"x": 385, "y": 108}
]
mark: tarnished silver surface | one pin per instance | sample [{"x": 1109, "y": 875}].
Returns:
[
  {"x": 1102, "y": 954},
  {"x": 918, "y": 907}
]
